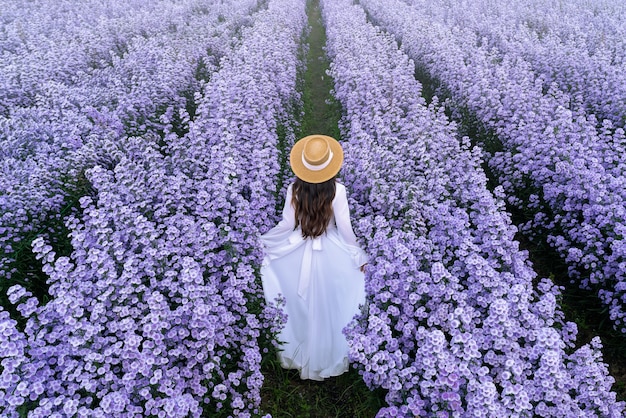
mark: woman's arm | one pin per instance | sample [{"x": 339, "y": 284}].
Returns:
[
  {"x": 288, "y": 221},
  {"x": 289, "y": 214},
  {"x": 344, "y": 225}
]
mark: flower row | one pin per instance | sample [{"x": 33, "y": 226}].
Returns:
[
  {"x": 600, "y": 24},
  {"x": 158, "y": 311},
  {"x": 550, "y": 160},
  {"x": 453, "y": 325},
  {"x": 47, "y": 42},
  {"x": 586, "y": 63},
  {"x": 82, "y": 121}
]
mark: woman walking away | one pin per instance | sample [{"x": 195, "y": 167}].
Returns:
[{"x": 314, "y": 261}]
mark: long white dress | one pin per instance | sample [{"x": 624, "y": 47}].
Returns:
[{"x": 322, "y": 284}]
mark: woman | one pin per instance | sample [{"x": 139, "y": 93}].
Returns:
[{"x": 314, "y": 261}]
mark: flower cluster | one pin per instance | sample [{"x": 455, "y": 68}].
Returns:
[
  {"x": 584, "y": 60},
  {"x": 158, "y": 310},
  {"x": 553, "y": 162},
  {"x": 75, "y": 91},
  {"x": 453, "y": 325}
]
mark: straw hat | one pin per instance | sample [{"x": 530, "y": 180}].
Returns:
[{"x": 316, "y": 158}]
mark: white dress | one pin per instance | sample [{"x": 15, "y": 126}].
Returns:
[{"x": 322, "y": 284}]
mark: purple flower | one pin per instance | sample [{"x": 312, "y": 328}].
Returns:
[{"x": 461, "y": 322}]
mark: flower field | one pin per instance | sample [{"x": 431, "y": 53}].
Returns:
[{"x": 144, "y": 149}]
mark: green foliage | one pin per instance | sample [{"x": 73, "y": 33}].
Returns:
[
  {"x": 285, "y": 395},
  {"x": 321, "y": 111},
  {"x": 25, "y": 269}
]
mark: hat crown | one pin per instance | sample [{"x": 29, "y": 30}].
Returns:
[
  {"x": 316, "y": 150},
  {"x": 316, "y": 158}
]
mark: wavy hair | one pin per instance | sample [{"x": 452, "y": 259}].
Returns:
[{"x": 313, "y": 206}]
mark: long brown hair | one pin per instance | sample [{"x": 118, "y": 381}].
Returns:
[{"x": 313, "y": 206}]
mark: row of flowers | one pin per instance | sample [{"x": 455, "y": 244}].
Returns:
[
  {"x": 587, "y": 62},
  {"x": 46, "y": 42},
  {"x": 454, "y": 325},
  {"x": 597, "y": 26},
  {"x": 80, "y": 117},
  {"x": 552, "y": 162},
  {"x": 158, "y": 311}
]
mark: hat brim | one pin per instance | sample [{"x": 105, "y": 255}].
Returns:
[{"x": 310, "y": 176}]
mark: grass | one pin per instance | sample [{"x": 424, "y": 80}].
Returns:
[
  {"x": 26, "y": 270},
  {"x": 284, "y": 394},
  {"x": 321, "y": 111}
]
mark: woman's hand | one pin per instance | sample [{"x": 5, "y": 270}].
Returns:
[{"x": 363, "y": 268}]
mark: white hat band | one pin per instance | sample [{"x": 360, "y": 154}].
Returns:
[{"x": 317, "y": 167}]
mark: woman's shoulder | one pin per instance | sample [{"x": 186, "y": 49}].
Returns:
[{"x": 340, "y": 190}]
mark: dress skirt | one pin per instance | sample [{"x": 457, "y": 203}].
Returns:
[
  {"x": 323, "y": 287},
  {"x": 317, "y": 311}
]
